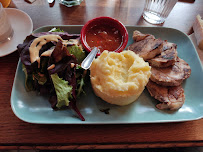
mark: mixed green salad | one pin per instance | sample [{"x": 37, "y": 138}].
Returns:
[{"x": 58, "y": 74}]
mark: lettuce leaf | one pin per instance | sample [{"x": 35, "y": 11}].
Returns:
[
  {"x": 56, "y": 30},
  {"x": 28, "y": 80},
  {"x": 78, "y": 52},
  {"x": 40, "y": 78},
  {"x": 61, "y": 81},
  {"x": 63, "y": 91},
  {"x": 80, "y": 90}
]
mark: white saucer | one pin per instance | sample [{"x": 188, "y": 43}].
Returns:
[{"x": 22, "y": 27}]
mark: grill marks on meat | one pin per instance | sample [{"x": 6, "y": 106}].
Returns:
[
  {"x": 146, "y": 46},
  {"x": 168, "y": 70},
  {"x": 167, "y": 57},
  {"x": 171, "y": 76},
  {"x": 165, "y": 85},
  {"x": 171, "y": 98},
  {"x": 167, "y": 45}
]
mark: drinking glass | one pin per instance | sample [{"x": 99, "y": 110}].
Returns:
[
  {"x": 6, "y": 30},
  {"x": 156, "y": 11}
]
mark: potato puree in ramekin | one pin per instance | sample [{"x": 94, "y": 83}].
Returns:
[{"x": 119, "y": 78}]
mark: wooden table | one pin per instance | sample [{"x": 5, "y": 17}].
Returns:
[{"x": 16, "y": 134}]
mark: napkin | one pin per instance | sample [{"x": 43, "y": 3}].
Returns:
[{"x": 200, "y": 52}]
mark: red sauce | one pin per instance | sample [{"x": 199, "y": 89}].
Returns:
[{"x": 104, "y": 37}]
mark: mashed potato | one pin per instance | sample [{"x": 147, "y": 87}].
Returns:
[{"x": 119, "y": 78}]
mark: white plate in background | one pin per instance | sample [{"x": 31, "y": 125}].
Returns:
[{"x": 22, "y": 27}]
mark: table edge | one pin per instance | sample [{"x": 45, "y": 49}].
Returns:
[{"x": 100, "y": 146}]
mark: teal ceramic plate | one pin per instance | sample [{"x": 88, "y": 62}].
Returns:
[{"x": 33, "y": 108}]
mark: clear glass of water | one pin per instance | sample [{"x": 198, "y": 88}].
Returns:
[
  {"x": 6, "y": 30},
  {"x": 70, "y": 3},
  {"x": 156, "y": 11}
]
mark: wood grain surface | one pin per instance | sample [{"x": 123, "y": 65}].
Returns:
[{"x": 16, "y": 134}]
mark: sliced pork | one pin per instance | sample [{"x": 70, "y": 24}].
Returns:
[
  {"x": 168, "y": 71},
  {"x": 138, "y": 36},
  {"x": 167, "y": 57},
  {"x": 147, "y": 48},
  {"x": 173, "y": 75},
  {"x": 171, "y": 98}
]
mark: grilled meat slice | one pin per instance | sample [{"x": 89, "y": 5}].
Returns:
[
  {"x": 168, "y": 45},
  {"x": 138, "y": 36},
  {"x": 171, "y": 98},
  {"x": 147, "y": 48},
  {"x": 173, "y": 75},
  {"x": 167, "y": 57}
]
